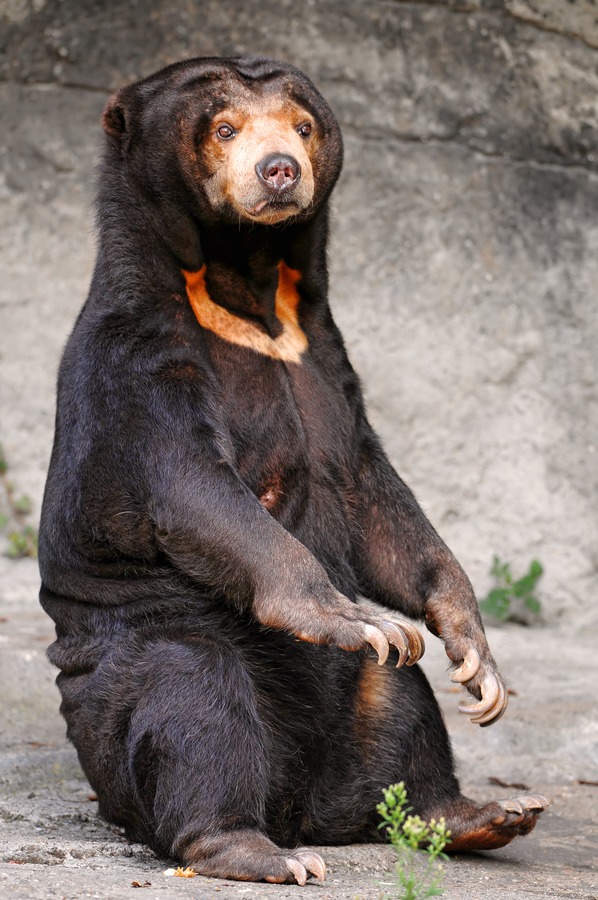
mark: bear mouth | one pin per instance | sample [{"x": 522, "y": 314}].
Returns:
[{"x": 271, "y": 205}]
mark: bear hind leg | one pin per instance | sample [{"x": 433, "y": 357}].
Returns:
[
  {"x": 248, "y": 855},
  {"x": 493, "y": 825},
  {"x": 400, "y": 735},
  {"x": 200, "y": 764}
]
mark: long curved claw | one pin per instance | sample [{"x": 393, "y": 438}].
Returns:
[
  {"x": 534, "y": 801},
  {"x": 407, "y": 639},
  {"x": 313, "y": 862},
  {"x": 496, "y": 711},
  {"x": 378, "y": 641},
  {"x": 468, "y": 668},
  {"x": 491, "y": 693},
  {"x": 297, "y": 869},
  {"x": 492, "y": 705},
  {"x": 511, "y": 804},
  {"x": 417, "y": 646},
  {"x": 395, "y": 635}
]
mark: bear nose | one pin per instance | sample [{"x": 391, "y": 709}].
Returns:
[{"x": 278, "y": 172}]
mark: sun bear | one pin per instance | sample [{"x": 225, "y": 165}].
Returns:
[{"x": 217, "y": 503}]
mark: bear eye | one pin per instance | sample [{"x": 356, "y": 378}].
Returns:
[
  {"x": 225, "y": 132},
  {"x": 305, "y": 129}
]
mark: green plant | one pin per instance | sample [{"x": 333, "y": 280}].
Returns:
[
  {"x": 419, "y": 873},
  {"x": 510, "y": 599},
  {"x": 21, "y": 537}
]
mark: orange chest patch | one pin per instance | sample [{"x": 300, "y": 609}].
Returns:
[{"x": 290, "y": 344}]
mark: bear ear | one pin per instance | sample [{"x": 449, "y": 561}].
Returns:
[{"x": 115, "y": 118}]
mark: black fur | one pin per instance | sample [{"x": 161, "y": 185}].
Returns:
[{"x": 177, "y": 597}]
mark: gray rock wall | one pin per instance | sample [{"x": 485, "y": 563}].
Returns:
[{"x": 464, "y": 260}]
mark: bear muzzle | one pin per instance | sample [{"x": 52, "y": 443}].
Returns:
[{"x": 279, "y": 173}]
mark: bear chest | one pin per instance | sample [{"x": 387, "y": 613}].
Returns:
[{"x": 291, "y": 426}]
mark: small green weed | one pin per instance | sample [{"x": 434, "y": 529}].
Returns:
[
  {"x": 21, "y": 537},
  {"x": 419, "y": 873},
  {"x": 513, "y": 600}
]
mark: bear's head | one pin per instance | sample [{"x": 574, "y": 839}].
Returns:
[{"x": 231, "y": 141}]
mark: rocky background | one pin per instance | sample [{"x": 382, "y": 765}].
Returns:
[
  {"x": 465, "y": 254},
  {"x": 465, "y": 279}
]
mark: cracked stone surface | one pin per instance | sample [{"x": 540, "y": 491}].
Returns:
[
  {"x": 573, "y": 19},
  {"x": 464, "y": 271}
]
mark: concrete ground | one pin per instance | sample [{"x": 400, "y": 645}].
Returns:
[{"x": 53, "y": 845}]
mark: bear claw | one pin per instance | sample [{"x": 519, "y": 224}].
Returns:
[
  {"x": 494, "y": 693},
  {"x": 528, "y": 802},
  {"x": 405, "y": 637},
  {"x": 298, "y": 870},
  {"x": 493, "y": 703},
  {"x": 378, "y": 641},
  {"x": 468, "y": 668},
  {"x": 313, "y": 862}
]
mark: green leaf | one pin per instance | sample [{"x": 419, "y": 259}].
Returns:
[
  {"x": 22, "y": 543},
  {"x": 533, "y": 604},
  {"x": 17, "y": 545},
  {"x": 524, "y": 586},
  {"x": 501, "y": 571},
  {"x": 497, "y": 603},
  {"x": 536, "y": 569}
]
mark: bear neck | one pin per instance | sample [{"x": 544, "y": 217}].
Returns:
[
  {"x": 146, "y": 244},
  {"x": 242, "y": 267}
]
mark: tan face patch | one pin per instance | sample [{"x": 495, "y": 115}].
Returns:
[
  {"x": 259, "y": 128},
  {"x": 288, "y": 346}
]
